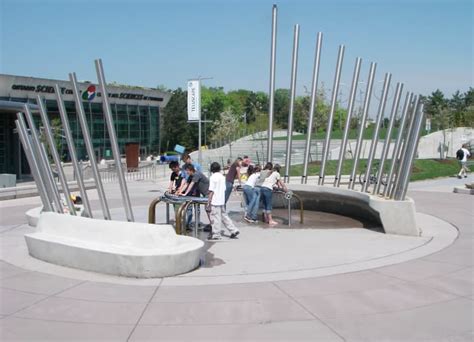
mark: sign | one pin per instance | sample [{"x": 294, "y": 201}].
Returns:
[
  {"x": 89, "y": 94},
  {"x": 194, "y": 100},
  {"x": 428, "y": 125}
]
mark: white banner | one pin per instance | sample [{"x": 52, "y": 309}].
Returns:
[{"x": 194, "y": 100}]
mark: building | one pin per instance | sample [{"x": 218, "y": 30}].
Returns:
[{"x": 136, "y": 113}]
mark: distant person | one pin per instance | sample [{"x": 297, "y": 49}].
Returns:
[
  {"x": 232, "y": 174},
  {"x": 252, "y": 194},
  {"x": 246, "y": 161},
  {"x": 216, "y": 205},
  {"x": 462, "y": 154},
  {"x": 267, "y": 193}
]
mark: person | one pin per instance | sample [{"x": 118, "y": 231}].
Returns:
[
  {"x": 186, "y": 158},
  {"x": 267, "y": 193},
  {"x": 216, "y": 205},
  {"x": 252, "y": 194},
  {"x": 197, "y": 185},
  {"x": 176, "y": 177},
  {"x": 462, "y": 154},
  {"x": 246, "y": 161},
  {"x": 232, "y": 174}
]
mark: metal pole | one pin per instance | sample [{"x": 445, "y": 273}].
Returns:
[
  {"x": 199, "y": 130},
  {"x": 43, "y": 162},
  {"x": 406, "y": 143},
  {"x": 294, "y": 71},
  {"x": 72, "y": 152},
  {"x": 386, "y": 145},
  {"x": 350, "y": 108},
  {"x": 314, "y": 88},
  {"x": 272, "y": 85},
  {"x": 89, "y": 147},
  {"x": 411, "y": 152},
  {"x": 335, "y": 90},
  {"x": 398, "y": 144},
  {"x": 365, "y": 111},
  {"x": 113, "y": 140},
  {"x": 375, "y": 138},
  {"x": 54, "y": 153},
  {"x": 25, "y": 141}
]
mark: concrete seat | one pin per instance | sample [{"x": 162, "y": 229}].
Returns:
[{"x": 128, "y": 249}]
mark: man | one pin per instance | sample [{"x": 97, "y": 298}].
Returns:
[
  {"x": 232, "y": 174},
  {"x": 462, "y": 154},
  {"x": 216, "y": 205}
]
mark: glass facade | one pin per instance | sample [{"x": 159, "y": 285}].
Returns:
[{"x": 133, "y": 123}]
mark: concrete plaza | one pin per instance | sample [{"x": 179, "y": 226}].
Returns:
[{"x": 338, "y": 284}]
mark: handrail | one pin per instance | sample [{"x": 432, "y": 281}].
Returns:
[
  {"x": 289, "y": 200},
  {"x": 152, "y": 210}
]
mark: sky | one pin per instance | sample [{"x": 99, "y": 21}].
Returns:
[{"x": 426, "y": 44}]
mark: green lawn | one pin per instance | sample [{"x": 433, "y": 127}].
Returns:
[{"x": 422, "y": 168}]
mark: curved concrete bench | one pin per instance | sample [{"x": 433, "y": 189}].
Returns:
[
  {"x": 128, "y": 249},
  {"x": 396, "y": 217}
]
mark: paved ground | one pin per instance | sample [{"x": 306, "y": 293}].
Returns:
[{"x": 428, "y": 298}]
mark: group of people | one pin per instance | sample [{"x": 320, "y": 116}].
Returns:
[{"x": 189, "y": 180}]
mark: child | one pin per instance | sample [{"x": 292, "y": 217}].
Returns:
[
  {"x": 232, "y": 174},
  {"x": 252, "y": 194},
  {"x": 176, "y": 177},
  {"x": 267, "y": 193},
  {"x": 216, "y": 205}
]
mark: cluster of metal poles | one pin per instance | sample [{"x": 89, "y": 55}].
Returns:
[
  {"x": 392, "y": 184},
  {"x": 41, "y": 168}
]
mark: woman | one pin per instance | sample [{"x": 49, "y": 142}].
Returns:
[
  {"x": 267, "y": 193},
  {"x": 252, "y": 194},
  {"x": 232, "y": 174}
]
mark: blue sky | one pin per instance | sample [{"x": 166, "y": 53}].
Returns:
[{"x": 426, "y": 44}]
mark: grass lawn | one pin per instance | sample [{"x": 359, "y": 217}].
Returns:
[{"x": 422, "y": 168}]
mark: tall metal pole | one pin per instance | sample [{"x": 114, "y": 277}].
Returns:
[
  {"x": 32, "y": 161},
  {"x": 398, "y": 144},
  {"x": 72, "y": 152},
  {"x": 406, "y": 143},
  {"x": 314, "y": 90},
  {"x": 294, "y": 70},
  {"x": 375, "y": 138},
  {"x": 54, "y": 153},
  {"x": 365, "y": 111},
  {"x": 350, "y": 108},
  {"x": 271, "y": 102},
  {"x": 113, "y": 140},
  {"x": 89, "y": 147},
  {"x": 335, "y": 91},
  {"x": 43, "y": 162},
  {"x": 388, "y": 136},
  {"x": 411, "y": 153},
  {"x": 199, "y": 129}
]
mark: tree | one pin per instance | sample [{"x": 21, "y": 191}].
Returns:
[
  {"x": 226, "y": 127},
  {"x": 176, "y": 129}
]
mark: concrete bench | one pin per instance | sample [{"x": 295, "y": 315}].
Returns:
[
  {"x": 128, "y": 249},
  {"x": 395, "y": 217}
]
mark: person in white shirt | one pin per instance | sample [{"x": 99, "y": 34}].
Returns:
[
  {"x": 267, "y": 193},
  {"x": 252, "y": 194},
  {"x": 463, "y": 161},
  {"x": 216, "y": 205}
]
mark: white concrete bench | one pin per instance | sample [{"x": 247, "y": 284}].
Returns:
[{"x": 128, "y": 249}]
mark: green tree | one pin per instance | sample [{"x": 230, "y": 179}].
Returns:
[{"x": 176, "y": 129}]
